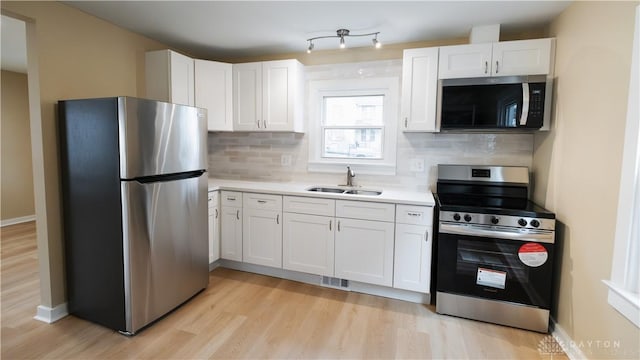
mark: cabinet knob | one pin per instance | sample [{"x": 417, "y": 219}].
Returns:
[
  {"x": 486, "y": 67},
  {"x": 497, "y": 64},
  {"x": 258, "y": 121},
  {"x": 406, "y": 122},
  {"x": 329, "y": 225},
  {"x": 216, "y": 211},
  {"x": 264, "y": 124},
  {"x": 338, "y": 225},
  {"x": 278, "y": 219},
  {"x": 238, "y": 214}
]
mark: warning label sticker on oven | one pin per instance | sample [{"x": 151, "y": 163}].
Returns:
[
  {"x": 492, "y": 278},
  {"x": 533, "y": 254}
]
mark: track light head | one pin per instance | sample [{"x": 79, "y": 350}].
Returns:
[
  {"x": 310, "y": 47},
  {"x": 342, "y": 44},
  {"x": 377, "y": 44}
]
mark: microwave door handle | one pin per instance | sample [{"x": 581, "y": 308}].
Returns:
[{"x": 525, "y": 104}]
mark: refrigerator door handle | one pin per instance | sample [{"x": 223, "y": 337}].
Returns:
[{"x": 168, "y": 177}]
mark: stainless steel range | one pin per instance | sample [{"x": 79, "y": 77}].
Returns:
[{"x": 495, "y": 247}]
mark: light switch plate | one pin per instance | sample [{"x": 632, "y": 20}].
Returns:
[{"x": 417, "y": 165}]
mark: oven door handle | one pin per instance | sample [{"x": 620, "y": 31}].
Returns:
[{"x": 470, "y": 230}]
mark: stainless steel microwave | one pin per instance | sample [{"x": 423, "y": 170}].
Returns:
[{"x": 494, "y": 103}]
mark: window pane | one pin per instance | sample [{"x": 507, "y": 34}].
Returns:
[
  {"x": 353, "y": 143},
  {"x": 353, "y": 110}
]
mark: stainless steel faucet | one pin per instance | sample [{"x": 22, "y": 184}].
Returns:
[{"x": 350, "y": 176}]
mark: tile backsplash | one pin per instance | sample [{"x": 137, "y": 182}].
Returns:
[{"x": 259, "y": 155}]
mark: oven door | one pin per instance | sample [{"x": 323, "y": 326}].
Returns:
[{"x": 496, "y": 263}]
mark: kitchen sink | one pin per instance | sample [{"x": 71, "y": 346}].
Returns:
[
  {"x": 335, "y": 190},
  {"x": 363, "y": 192},
  {"x": 327, "y": 190}
]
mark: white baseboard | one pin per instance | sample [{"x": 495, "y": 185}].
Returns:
[
  {"x": 18, "y": 220},
  {"x": 51, "y": 315},
  {"x": 564, "y": 340}
]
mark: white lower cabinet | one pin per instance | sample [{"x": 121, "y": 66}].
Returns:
[
  {"x": 231, "y": 225},
  {"x": 413, "y": 244},
  {"x": 214, "y": 226},
  {"x": 364, "y": 251},
  {"x": 308, "y": 243},
  {"x": 262, "y": 230},
  {"x": 369, "y": 242}
]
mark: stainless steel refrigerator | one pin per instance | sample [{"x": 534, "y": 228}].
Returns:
[{"x": 134, "y": 191}]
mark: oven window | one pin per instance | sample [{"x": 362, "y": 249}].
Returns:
[{"x": 474, "y": 255}]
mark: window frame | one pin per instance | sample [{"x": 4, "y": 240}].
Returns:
[{"x": 319, "y": 89}]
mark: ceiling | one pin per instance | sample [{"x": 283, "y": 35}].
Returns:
[
  {"x": 235, "y": 29},
  {"x": 14, "y": 45}
]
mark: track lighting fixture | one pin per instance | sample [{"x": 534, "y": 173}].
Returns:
[{"x": 341, "y": 34}]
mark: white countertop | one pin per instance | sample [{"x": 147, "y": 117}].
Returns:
[{"x": 395, "y": 196}]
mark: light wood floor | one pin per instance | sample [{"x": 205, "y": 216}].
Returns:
[{"x": 243, "y": 315}]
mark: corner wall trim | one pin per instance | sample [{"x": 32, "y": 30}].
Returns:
[
  {"x": 18, "y": 220},
  {"x": 51, "y": 315},
  {"x": 564, "y": 340}
]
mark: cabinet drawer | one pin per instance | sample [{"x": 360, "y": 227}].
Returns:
[
  {"x": 365, "y": 210},
  {"x": 213, "y": 199},
  {"x": 311, "y": 206},
  {"x": 414, "y": 215},
  {"x": 262, "y": 201},
  {"x": 231, "y": 198}
]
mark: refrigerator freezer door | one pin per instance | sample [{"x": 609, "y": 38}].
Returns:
[
  {"x": 160, "y": 138},
  {"x": 165, "y": 246}
]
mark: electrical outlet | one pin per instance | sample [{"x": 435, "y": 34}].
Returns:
[
  {"x": 285, "y": 160},
  {"x": 417, "y": 165}
]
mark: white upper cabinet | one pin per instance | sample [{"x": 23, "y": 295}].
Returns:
[
  {"x": 170, "y": 77},
  {"x": 462, "y": 61},
  {"x": 214, "y": 92},
  {"x": 522, "y": 57},
  {"x": 419, "y": 87},
  {"x": 526, "y": 57},
  {"x": 268, "y": 96}
]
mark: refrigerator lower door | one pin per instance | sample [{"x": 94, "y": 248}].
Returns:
[{"x": 165, "y": 246}]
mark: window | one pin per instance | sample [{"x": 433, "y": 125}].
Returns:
[
  {"x": 353, "y": 123},
  {"x": 624, "y": 286},
  {"x": 352, "y": 127}
]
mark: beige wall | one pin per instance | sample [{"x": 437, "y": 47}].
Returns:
[
  {"x": 577, "y": 166},
  {"x": 79, "y": 56},
  {"x": 17, "y": 175}
]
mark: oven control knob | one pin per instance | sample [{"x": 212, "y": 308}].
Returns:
[
  {"x": 535, "y": 223},
  {"x": 456, "y": 217},
  {"x": 522, "y": 222},
  {"x": 467, "y": 218},
  {"x": 494, "y": 220}
]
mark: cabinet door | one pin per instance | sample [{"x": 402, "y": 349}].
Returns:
[
  {"x": 412, "y": 259},
  {"x": 364, "y": 251},
  {"x": 307, "y": 243},
  {"x": 247, "y": 96},
  {"x": 231, "y": 233},
  {"x": 262, "y": 237},
  {"x": 214, "y": 92},
  {"x": 419, "y": 89},
  {"x": 169, "y": 77},
  {"x": 461, "y": 61},
  {"x": 523, "y": 57},
  {"x": 181, "y": 79},
  {"x": 279, "y": 84}
]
